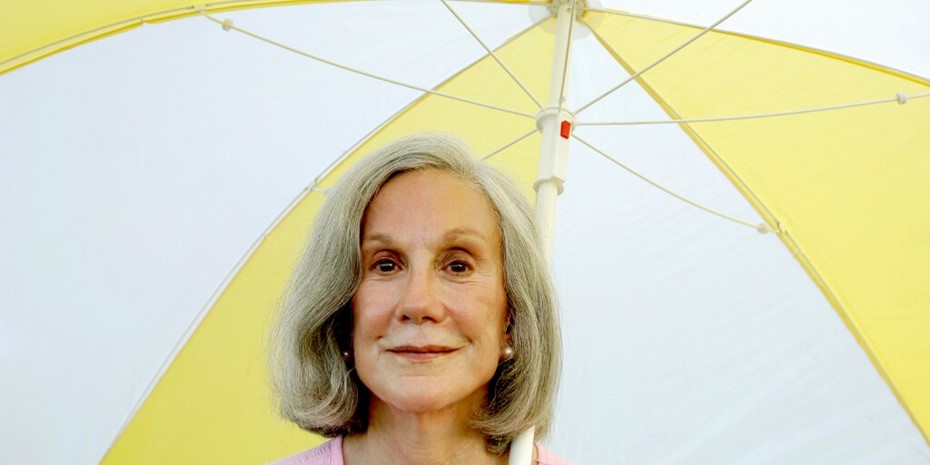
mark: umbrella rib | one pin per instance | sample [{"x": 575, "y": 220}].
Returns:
[
  {"x": 508, "y": 145},
  {"x": 568, "y": 56},
  {"x": 492, "y": 54},
  {"x": 901, "y": 98},
  {"x": 665, "y": 57},
  {"x": 760, "y": 227},
  {"x": 227, "y": 25}
]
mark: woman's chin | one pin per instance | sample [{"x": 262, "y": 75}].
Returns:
[{"x": 422, "y": 398}]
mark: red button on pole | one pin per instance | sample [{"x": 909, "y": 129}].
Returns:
[{"x": 566, "y": 129}]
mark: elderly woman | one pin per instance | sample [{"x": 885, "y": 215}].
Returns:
[{"x": 420, "y": 326}]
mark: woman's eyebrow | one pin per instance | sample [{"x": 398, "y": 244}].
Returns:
[
  {"x": 377, "y": 238},
  {"x": 466, "y": 234},
  {"x": 456, "y": 234}
]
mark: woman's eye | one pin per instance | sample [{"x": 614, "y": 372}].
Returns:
[
  {"x": 458, "y": 267},
  {"x": 385, "y": 266}
]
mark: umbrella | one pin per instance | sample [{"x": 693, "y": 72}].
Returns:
[{"x": 701, "y": 373}]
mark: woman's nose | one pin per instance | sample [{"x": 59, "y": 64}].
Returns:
[{"x": 420, "y": 301}]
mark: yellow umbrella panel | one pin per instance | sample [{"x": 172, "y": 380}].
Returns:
[{"x": 849, "y": 204}]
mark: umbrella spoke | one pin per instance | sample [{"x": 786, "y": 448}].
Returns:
[
  {"x": 660, "y": 60},
  {"x": 228, "y": 25},
  {"x": 568, "y": 50},
  {"x": 493, "y": 55},
  {"x": 508, "y": 145},
  {"x": 760, "y": 227},
  {"x": 900, "y": 98}
]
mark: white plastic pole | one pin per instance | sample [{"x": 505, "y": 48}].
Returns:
[
  {"x": 553, "y": 168},
  {"x": 521, "y": 449},
  {"x": 553, "y": 157}
]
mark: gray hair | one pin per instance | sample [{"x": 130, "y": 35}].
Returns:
[{"x": 315, "y": 386}]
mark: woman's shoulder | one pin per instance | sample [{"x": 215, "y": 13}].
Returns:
[
  {"x": 547, "y": 457},
  {"x": 328, "y": 453}
]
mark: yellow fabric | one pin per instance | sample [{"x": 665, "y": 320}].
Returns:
[
  {"x": 853, "y": 206},
  {"x": 214, "y": 398},
  {"x": 30, "y": 31}
]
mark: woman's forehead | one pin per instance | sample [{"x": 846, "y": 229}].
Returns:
[{"x": 429, "y": 202}]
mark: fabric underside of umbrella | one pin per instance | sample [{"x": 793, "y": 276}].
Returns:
[
  {"x": 798, "y": 165},
  {"x": 215, "y": 395},
  {"x": 785, "y": 194},
  {"x": 60, "y": 24}
]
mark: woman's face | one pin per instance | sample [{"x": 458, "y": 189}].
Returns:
[{"x": 430, "y": 311}]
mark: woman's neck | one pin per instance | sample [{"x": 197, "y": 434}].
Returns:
[{"x": 442, "y": 437}]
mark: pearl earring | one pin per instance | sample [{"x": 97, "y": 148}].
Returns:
[
  {"x": 508, "y": 353},
  {"x": 346, "y": 355}
]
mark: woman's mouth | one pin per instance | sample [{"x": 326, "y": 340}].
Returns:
[{"x": 426, "y": 352}]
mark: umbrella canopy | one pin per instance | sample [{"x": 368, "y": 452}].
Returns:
[{"x": 687, "y": 335}]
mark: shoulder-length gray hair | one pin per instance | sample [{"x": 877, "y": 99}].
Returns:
[{"x": 318, "y": 389}]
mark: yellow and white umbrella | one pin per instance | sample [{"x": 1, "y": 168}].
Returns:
[{"x": 136, "y": 170}]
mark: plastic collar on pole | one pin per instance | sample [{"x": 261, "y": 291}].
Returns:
[{"x": 556, "y": 127}]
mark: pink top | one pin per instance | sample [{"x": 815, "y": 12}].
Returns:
[{"x": 330, "y": 453}]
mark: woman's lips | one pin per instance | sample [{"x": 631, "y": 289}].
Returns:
[{"x": 421, "y": 352}]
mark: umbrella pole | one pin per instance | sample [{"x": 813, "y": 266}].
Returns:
[{"x": 555, "y": 124}]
